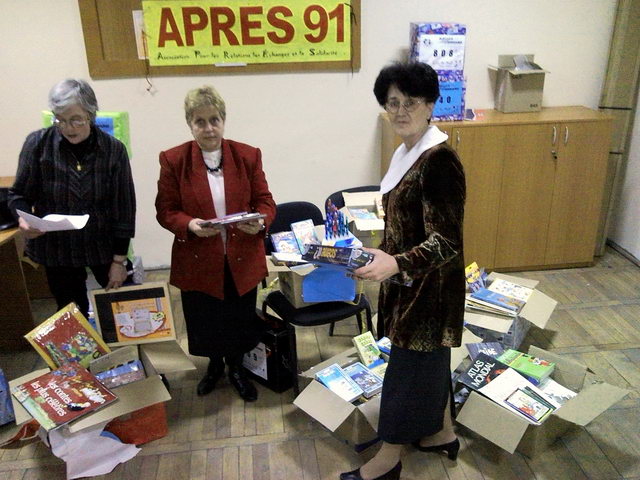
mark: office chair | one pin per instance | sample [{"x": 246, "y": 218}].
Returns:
[
  {"x": 338, "y": 200},
  {"x": 313, "y": 315}
]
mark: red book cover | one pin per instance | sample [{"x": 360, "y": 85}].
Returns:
[
  {"x": 58, "y": 397},
  {"x": 67, "y": 337}
]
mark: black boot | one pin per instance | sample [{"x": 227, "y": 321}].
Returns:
[
  {"x": 215, "y": 370},
  {"x": 238, "y": 378}
]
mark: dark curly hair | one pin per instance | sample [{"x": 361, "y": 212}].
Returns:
[{"x": 414, "y": 79}]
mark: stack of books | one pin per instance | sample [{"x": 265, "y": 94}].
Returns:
[{"x": 501, "y": 297}]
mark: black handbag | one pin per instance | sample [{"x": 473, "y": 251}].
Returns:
[{"x": 6, "y": 218}]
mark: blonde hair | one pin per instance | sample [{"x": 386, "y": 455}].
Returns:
[{"x": 202, "y": 97}]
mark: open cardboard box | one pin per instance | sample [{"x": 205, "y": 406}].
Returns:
[
  {"x": 507, "y": 330},
  {"x": 517, "y": 90},
  {"x": 369, "y": 232},
  {"x": 356, "y": 425},
  {"x": 511, "y": 432},
  {"x": 157, "y": 358}
]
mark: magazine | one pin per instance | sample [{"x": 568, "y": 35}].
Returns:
[
  {"x": 58, "y": 397},
  {"x": 66, "y": 337},
  {"x": 232, "y": 218}
]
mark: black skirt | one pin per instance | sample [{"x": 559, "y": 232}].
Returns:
[
  {"x": 221, "y": 328},
  {"x": 414, "y": 394}
]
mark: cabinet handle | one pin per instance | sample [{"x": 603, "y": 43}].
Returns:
[
  {"x": 566, "y": 135},
  {"x": 554, "y": 138}
]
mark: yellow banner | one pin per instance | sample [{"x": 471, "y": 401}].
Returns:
[{"x": 232, "y": 32}]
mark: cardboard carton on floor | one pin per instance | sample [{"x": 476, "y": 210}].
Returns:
[
  {"x": 507, "y": 330},
  {"x": 511, "y": 432},
  {"x": 157, "y": 358},
  {"x": 518, "y": 90},
  {"x": 368, "y": 231},
  {"x": 356, "y": 425}
]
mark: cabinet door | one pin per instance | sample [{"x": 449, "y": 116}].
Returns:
[
  {"x": 481, "y": 150},
  {"x": 580, "y": 170},
  {"x": 526, "y": 195}
]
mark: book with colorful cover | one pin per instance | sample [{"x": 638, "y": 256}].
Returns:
[
  {"x": 347, "y": 257},
  {"x": 528, "y": 365},
  {"x": 335, "y": 379},
  {"x": 305, "y": 234},
  {"x": 128, "y": 372},
  {"x": 498, "y": 301},
  {"x": 493, "y": 349},
  {"x": 63, "y": 395},
  {"x": 384, "y": 344},
  {"x": 473, "y": 306},
  {"x": 362, "y": 214},
  {"x": 369, "y": 382},
  {"x": 66, "y": 337},
  {"x": 474, "y": 276},
  {"x": 510, "y": 289},
  {"x": 531, "y": 405},
  {"x": 483, "y": 370},
  {"x": 6, "y": 407},
  {"x": 285, "y": 242},
  {"x": 367, "y": 349}
]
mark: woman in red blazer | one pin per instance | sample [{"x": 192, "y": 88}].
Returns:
[{"x": 217, "y": 269}]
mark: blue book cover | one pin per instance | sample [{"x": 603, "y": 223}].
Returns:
[
  {"x": 285, "y": 242},
  {"x": 494, "y": 299},
  {"x": 368, "y": 381},
  {"x": 6, "y": 407},
  {"x": 334, "y": 378}
]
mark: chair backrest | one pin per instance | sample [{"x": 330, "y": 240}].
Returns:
[
  {"x": 338, "y": 200},
  {"x": 290, "y": 212}
]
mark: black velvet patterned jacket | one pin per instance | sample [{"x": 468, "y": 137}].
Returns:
[{"x": 422, "y": 307}]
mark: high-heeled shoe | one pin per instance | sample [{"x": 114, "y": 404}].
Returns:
[
  {"x": 450, "y": 448},
  {"x": 393, "y": 474}
]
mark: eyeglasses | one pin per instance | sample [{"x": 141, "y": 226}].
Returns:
[
  {"x": 409, "y": 105},
  {"x": 74, "y": 122}
]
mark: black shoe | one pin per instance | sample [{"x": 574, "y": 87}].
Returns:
[
  {"x": 450, "y": 448},
  {"x": 242, "y": 384},
  {"x": 393, "y": 474},
  {"x": 208, "y": 382}
]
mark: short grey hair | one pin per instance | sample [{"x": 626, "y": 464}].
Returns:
[
  {"x": 73, "y": 92},
  {"x": 204, "y": 96}
]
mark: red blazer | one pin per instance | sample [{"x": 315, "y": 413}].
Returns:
[{"x": 183, "y": 194}]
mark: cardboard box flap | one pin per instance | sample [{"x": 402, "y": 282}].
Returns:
[
  {"x": 525, "y": 282},
  {"x": 492, "y": 421},
  {"x": 19, "y": 411},
  {"x": 131, "y": 397},
  {"x": 355, "y": 199},
  {"x": 593, "y": 400},
  {"x": 488, "y": 321},
  {"x": 458, "y": 354},
  {"x": 118, "y": 356},
  {"x": 324, "y": 405},
  {"x": 166, "y": 357},
  {"x": 567, "y": 372},
  {"x": 538, "y": 309},
  {"x": 343, "y": 359},
  {"x": 371, "y": 411}
]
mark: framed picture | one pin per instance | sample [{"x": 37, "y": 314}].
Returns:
[{"x": 134, "y": 314}]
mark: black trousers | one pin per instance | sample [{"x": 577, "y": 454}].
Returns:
[{"x": 69, "y": 284}]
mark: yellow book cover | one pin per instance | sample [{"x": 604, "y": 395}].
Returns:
[{"x": 367, "y": 348}]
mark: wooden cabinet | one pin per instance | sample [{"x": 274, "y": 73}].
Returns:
[{"x": 534, "y": 185}]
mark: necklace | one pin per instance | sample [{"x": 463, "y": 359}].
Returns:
[{"x": 213, "y": 170}]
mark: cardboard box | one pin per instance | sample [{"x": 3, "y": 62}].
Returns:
[
  {"x": 355, "y": 425},
  {"x": 511, "y": 432},
  {"x": 369, "y": 232},
  {"x": 157, "y": 358},
  {"x": 506, "y": 330},
  {"x": 268, "y": 362},
  {"x": 517, "y": 90}
]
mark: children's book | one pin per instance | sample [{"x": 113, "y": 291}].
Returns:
[
  {"x": 369, "y": 382},
  {"x": 495, "y": 300},
  {"x": 483, "y": 370},
  {"x": 493, "y": 349},
  {"x": 60, "y": 396},
  {"x": 384, "y": 344},
  {"x": 305, "y": 234},
  {"x": 510, "y": 289},
  {"x": 66, "y": 337},
  {"x": 285, "y": 242},
  {"x": 367, "y": 349},
  {"x": 349, "y": 258},
  {"x": 555, "y": 391},
  {"x": 334, "y": 378},
  {"x": 232, "y": 218},
  {"x": 475, "y": 277},
  {"x": 528, "y": 365}
]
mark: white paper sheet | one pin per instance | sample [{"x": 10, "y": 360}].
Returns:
[{"x": 55, "y": 222}]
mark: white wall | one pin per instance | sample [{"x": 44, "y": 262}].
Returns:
[{"x": 318, "y": 131}]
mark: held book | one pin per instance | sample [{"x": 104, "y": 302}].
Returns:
[
  {"x": 483, "y": 370},
  {"x": 528, "y": 365},
  {"x": 285, "y": 242},
  {"x": 305, "y": 234},
  {"x": 66, "y": 337},
  {"x": 60, "y": 396},
  {"x": 369, "y": 382},
  {"x": 367, "y": 349},
  {"x": 232, "y": 218},
  {"x": 498, "y": 301},
  {"x": 335, "y": 379},
  {"x": 346, "y": 257}
]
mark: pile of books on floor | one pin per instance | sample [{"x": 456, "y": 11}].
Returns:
[
  {"x": 361, "y": 380},
  {"x": 500, "y": 297}
]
